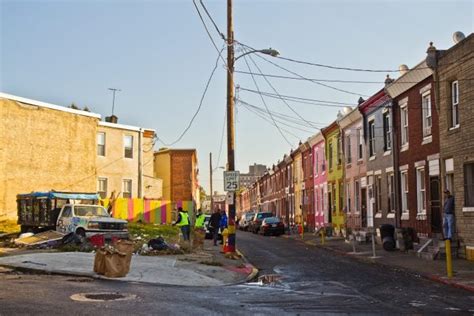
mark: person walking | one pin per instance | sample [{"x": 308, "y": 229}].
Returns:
[
  {"x": 213, "y": 225},
  {"x": 448, "y": 218},
  {"x": 223, "y": 223},
  {"x": 183, "y": 223}
]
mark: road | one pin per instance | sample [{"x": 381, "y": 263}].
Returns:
[{"x": 313, "y": 281}]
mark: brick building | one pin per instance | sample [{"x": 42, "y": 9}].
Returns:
[
  {"x": 321, "y": 213},
  {"x": 454, "y": 71},
  {"x": 307, "y": 187}
]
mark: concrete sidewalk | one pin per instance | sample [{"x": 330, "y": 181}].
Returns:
[
  {"x": 434, "y": 270},
  {"x": 204, "y": 268}
]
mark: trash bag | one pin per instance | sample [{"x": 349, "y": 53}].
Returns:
[
  {"x": 158, "y": 244},
  {"x": 71, "y": 238}
]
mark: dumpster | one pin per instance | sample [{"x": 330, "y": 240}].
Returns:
[{"x": 387, "y": 234}]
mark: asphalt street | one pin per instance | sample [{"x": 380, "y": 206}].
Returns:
[{"x": 313, "y": 281}]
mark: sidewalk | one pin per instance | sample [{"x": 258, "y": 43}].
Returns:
[
  {"x": 205, "y": 268},
  {"x": 434, "y": 270}
]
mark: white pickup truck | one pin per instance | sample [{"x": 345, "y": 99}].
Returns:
[{"x": 87, "y": 220}]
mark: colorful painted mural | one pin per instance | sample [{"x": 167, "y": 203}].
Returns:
[{"x": 147, "y": 210}]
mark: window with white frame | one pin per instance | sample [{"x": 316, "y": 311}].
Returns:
[
  {"x": 426, "y": 110},
  {"x": 372, "y": 138},
  {"x": 360, "y": 144},
  {"x": 330, "y": 155},
  {"x": 102, "y": 187},
  {"x": 356, "y": 195},
  {"x": 404, "y": 187},
  {"x": 420, "y": 187},
  {"x": 127, "y": 188},
  {"x": 348, "y": 149},
  {"x": 378, "y": 189},
  {"x": 404, "y": 124},
  {"x": 387, "y": 138},
  {"x": 348, "y": 197},
  {"x": 316, "y": 165},
  {"x": 339, "y": 149},
  {"x": 455, "y": 104},
  {"x": 469, "y": 184},
  {"x": 391, "y": 192},
  {"x": 128, "y": 146},
  {"x": 101, "y": 144}
]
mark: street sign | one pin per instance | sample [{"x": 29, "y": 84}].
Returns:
[
  {"x": 230, "y": 198},
  {"x": 231, "y": 181}
]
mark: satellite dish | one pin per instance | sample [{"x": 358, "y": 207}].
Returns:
[
  {"x": 403, "y": 69},
  {"x": 458, "y": 36}
]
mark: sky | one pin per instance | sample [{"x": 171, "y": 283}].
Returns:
[{"x": 158, "y": 53}]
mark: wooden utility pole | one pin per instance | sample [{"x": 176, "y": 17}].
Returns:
[
  {"x": 210, "y": 180},
  {"x": 230, "y": 248}
]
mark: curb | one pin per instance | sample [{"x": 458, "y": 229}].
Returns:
[
  {"x": 430, "y": 277},
  {"x": 254, "y": 272}
]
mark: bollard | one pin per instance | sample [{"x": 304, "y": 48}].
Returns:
[
  {"x": 225, "y": 239},
  {"x": 449, "y": 263}
]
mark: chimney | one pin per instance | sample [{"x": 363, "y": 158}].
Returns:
[
  {"x": 431, "y": 58},
  {"x": 111, "y": 119}
]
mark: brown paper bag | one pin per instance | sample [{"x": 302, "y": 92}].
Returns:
[
  {"x": 116, "y": 265},
  {"x": 126, "y": 247},
  {"x": 99, "y": 263}
]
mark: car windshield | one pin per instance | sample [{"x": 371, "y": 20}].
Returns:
[
  {"x": 249, "y": 216},
  {"x": 272, "y": 220},
  {"x": 264, "y": 215},
  {"x": 90, "y": 210}
]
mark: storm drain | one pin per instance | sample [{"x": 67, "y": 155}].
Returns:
[
  {"x": 269, "y": 279},
  {"x": 102, "y": 297}
]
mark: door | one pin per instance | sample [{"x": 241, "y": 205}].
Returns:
[
  {"x": 329, "y": 206},
  {"x": 363, "y": 207},
  {"x": 370, "y": 209},
  {"x": 435, "y": 205}
]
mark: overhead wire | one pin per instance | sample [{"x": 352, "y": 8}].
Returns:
[
  {"x": 212, "y": 20},
  {"x": 265, "y": 104}
]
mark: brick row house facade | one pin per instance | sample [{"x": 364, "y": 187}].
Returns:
[{"x": 388, "y": 160}]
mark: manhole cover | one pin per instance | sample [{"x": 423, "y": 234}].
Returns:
[{"x": 102, "y": 297}]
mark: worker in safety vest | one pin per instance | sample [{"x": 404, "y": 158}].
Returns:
[
  {"x": 200, "y": 217},
  {"x": 183, "y": 222}
]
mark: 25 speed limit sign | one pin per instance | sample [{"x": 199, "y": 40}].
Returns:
[{"x": 231, "y": 181}]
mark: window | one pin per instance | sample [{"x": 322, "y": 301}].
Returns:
[
  {"x": 404, "y": 184},
  {"x": 426, "y": 110},
  {"x": 341, "y": 195},
  {"x": 420, "y": 186},
  {"x": 348, "y": 149},
  {"x": 469, "y": 184},
  {"x": 316, "y": 165},
  {"x": 101, "y": 144},
  {"x": 387, "y": 140},
  {"x": 348, "y": 197},
  {"x": 339, "y": 150},
  {"x": 360, "y": 142},
  {"x": 330, "y": 156},
  {"x": 128, "y": 146},
  {"x": 102, "y": 187},
  {"x": 127, "y": 189},
  {"x": 378, "y": 190},
  {"x": 372, "y": 138},
  {"x": 67, "y": 212},
  {"x": 391, "y": 192},
  {"x": 404, "y": 124},
  {"x": 357, "y": 195},
  {"x": 454, "y": 104}
]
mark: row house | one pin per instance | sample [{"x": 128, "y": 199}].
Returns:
[
  {"x": 454, "y": 81},
  {"x": 352, "y": 136},
  {"x": 321, "y": 214},
  {"x": 335, "y": 177},
  {"x": 297, "y": 182},
  {"x": 416, "y": 142},
  {"x": 307, "y": 189}
]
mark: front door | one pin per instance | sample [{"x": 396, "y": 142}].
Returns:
[
  {"x": 435, "y": 204},
  {"x": 363, "y": 207},
  {"x": 370, "y": 209}
]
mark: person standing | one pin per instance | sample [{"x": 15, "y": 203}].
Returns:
[
  {"x": 223, "y": 223},
  {"x": 448, "y": 218},
  {"x": 183, "y": 222},
  {"x": 214, "y": 222},
  {"x": 199, "y": 232}
]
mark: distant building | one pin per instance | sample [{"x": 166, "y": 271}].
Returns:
[{"x": 255, "y": 172}]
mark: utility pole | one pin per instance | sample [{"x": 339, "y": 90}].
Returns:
[
  {"x": 114, "y": 90},
  {"x": 230, "y": 122},
  {"x": 210, "y": 180}
]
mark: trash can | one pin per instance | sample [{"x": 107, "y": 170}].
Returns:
[{"x": 387, "y": 234}]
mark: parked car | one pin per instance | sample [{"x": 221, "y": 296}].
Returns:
[
  {"x": 254, "y": 225},
  {"x": 245, "y": 220},
  {"x": 272, "y": 226}
]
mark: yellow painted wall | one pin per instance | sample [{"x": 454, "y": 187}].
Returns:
[
  {"x": 298, "y": 178},
  {"x": 162, "y": 164},
  {"x": 44, "y": 149}
]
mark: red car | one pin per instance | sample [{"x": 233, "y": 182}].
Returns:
[{"x": 272, "y": 226}]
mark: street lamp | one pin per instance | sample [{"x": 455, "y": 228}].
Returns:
[{"x": 230, "y": 247}]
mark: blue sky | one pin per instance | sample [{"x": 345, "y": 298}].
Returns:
[{"x": 158, "y": 53}]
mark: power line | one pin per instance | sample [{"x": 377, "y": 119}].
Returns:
[
  {"x": 222, "y": 141},
  {"x": 263, "y": 101},
  {"x": 273, "y": 88},
  {"x": 212, "y": 20},
  {"x": 200, "y": 103}
]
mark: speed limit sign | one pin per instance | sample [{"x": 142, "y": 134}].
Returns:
[{"x": 231, "y": 181}]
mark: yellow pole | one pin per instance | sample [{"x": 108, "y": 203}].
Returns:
[{"x": 449, "y": 263}]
